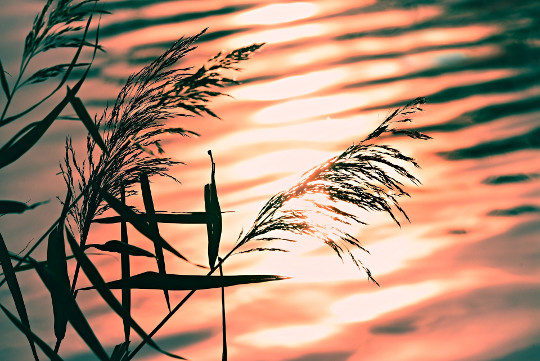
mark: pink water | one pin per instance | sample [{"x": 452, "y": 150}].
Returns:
[{"x": 460, "y": 282}]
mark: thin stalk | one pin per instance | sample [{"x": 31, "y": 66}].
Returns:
[
  {"x": 124, "y": 259},
  {"x": 223, "y": 324}
]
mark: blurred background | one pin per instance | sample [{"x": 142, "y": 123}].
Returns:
[{"x": 460, "y": 282}]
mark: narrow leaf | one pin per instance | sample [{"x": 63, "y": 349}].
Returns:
[
  {"x": 150, "y": 212},
  {"x": 174, "y": 282},
  {"x": 16, "y": 207},
  {"x": 99, "y": 284},
  {"x": 30, "y": 266},
  {"x": 83, "y": 115},
  {"x": 177, "y": 218},
  {"x": 64, "y": 79},
  {"x": 57, "y": 264},
  {"x": 122, "y": 248},
  {"x": 15, "y": 150},
  {"x": 130, "y": 216},
  {"x": 3, "y": 80},
  {"x": 29, "y": 334},
  {"x": 74, "y": 313},
  {"x": 15, "y": 290},
  {"x": 214, "y": 225}
]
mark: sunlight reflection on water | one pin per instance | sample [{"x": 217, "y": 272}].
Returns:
[{"x": 458, "y": 283}]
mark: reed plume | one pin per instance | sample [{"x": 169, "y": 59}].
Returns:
[
  {"x": 135, "y": 125},
  {"x": 366, "y": 176}
]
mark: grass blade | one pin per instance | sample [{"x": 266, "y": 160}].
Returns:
[
  {"x": 150, "y": 212},
  {"x": 30, "y": 266},
  {"x": 174, "y": 282},
  {"x": 3, "y": 80},
  {"x": 15, "y": 290},
  {"x": 13, "y": 152},
  {"x": 177, "y": 218},
  {"x": 214, "y": 225},
  {"x": 126, "y": 273},
  {"x": 29, "y": 334},
  {"x": 74, "y": 313},
  {"x": 9, "y": 154},
  {"x": 99, "y": 284},
  {"x": 121, "y": 247},
  {"x": 7, "y": 207},
  {"x": 83, "y": 115},
  {"x": 130, "y": 216},
  {"x": 57, "y": 264}
]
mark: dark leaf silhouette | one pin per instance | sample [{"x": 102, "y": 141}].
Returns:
[
  {"x": 57, "y": 264},
  {"x": 60, "y": 291},
  {"x": 97, "y": 281},
  {"x": 16, "y": 149},
  {"x": 122, "y": 248},
  {"x": 120, "y": 351},
  {"x": 15, "y": 290},
  {"x": 178, "y": 218},
  {"x": 30, "y": 335},
  {"x": 150, "y": 213},
  {"x": 83, "y": 115},
  {"x": 3, "y": 80},
  {"x": 213, "y": 211},
  {"x": 130, "y": 216},
  {"x": 157, "y": 281},
  {"x": 7, "y": 207}
]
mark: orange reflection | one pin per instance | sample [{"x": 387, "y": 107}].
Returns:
[
  {"x": 290, "y": 336},
  {"x": 276, "y": 13},
  {"x": 279, "y": 35},
  {"x": 290, "y": 86}
]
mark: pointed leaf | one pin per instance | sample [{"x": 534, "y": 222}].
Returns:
[
  {"x": 130, "y": 216},
  {"x": 74, "y": 313},
  {"x": 16, "y": 207},
  {"x": 57, "y": 264},
  {"x": 99, "y": 284},
  {"x": 177, "y": 218},
  {"x": 9, "y": 154},
  {"x": 83, "y": 115},
  {"x": 174, "y": 282},
  {"x": 122, "y": 248},
  {"x": 29, "y": 334},
  {"x": 15, "y": 290},
  {"x": 214, "y": 225},
  {"x": 150, "y": 212},
  {"x": 3, "y": 80}
]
